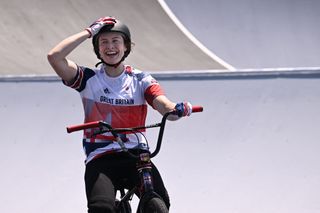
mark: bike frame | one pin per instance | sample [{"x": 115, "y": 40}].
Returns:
[
  {"x": 146, "y": 184},
  {"x": 144, "y": 165}
]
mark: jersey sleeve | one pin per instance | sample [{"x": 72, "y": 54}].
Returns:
[
  {"x": 152, "y": 89},
  {"x": 152, "y": 92},
  {"x": 80, "y": 80}
]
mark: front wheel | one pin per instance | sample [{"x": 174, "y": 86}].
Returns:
[
  {"x": 123, "y": 207},
  {"x": 155, "y": 205}
]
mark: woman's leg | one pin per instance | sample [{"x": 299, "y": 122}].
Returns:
[{"x": 99, "y": 190}]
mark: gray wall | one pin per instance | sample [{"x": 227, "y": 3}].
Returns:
[{"x": 255, "y": 148}]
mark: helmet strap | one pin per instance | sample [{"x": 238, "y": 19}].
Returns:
[{"x": 113, "y": 65}]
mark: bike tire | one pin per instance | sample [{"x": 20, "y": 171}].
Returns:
[
  {"x": 123, "y": 207},
  {"x": 155, "y": 205}
]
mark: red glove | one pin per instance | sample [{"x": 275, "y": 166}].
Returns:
[{"x": 101, "y": 22}]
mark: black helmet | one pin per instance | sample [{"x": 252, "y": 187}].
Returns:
[{"x": 117, "y": 27}]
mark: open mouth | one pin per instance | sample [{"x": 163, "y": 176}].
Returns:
[{"x": 111, "y": 53}]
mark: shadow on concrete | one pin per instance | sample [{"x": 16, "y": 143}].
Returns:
[{"x": 30, "y": 29}]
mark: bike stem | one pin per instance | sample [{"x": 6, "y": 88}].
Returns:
[{"x": 159, "y": 141}]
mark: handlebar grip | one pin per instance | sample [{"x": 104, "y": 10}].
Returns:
[
  {"x": 197, "y": 109},
  {"x": 83, "y": 126}
]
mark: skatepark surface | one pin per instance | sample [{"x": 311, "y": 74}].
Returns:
[
  {"x": 30, "y": 30},
  {"x": 255, "y": 148},
  {"x": 255, "y": 33}
]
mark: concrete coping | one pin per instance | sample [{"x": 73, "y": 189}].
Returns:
[{"x": 304, "y": 72}]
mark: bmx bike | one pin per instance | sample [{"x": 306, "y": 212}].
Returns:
[{"x": 149, "y": 200}]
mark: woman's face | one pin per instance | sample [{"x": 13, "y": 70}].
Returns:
[{"x": 111, "y": 47}]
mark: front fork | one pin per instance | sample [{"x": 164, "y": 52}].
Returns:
[
  {"x": 144, "y": 167},
  {"x": 146, "y": 189}
]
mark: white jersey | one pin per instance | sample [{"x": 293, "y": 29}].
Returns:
[{"x": 120, "y": 101}]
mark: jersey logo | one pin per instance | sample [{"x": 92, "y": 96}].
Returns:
[{"x": 106, "y": 90}]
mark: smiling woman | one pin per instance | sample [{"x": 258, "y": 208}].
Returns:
[
  {"x": 111, "y": 50},
  {"x": 113, "y": 41},
  {"x": 111, "y": 45},
  {"x": 117, "y": 94}
]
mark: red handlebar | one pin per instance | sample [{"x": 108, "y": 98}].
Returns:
[
  {"x": 83, "y": 126},
  {"x": 197, "y": 109},
  {"x": 96, "y": 124}
]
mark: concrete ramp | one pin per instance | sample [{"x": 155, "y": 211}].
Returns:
[
  {"x": 30, "y": 29},
  {"x": 255, "y": 33},
  {"x": 255, "y": 148}
]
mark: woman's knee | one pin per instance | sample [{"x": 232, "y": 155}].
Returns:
[{"x": 100, "y": 204}]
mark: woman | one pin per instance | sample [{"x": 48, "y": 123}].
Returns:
[{"x": 118, "y": 94}]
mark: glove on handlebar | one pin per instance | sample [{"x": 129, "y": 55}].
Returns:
[
  {"x": 94, "y": 28},
  {"x": 183, "y": 109}
]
